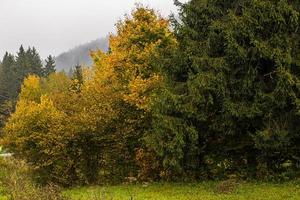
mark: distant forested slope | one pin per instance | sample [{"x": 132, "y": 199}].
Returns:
[{"x": 80, "y": 54}]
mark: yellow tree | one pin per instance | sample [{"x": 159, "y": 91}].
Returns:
[
  {"x": 131, "y": 72},
  {"x": 134, "y": 51},
  {"x": 34, "y": 133},
  {"x": 101, "y": 124},
  {"x": 31, "y": 89}
]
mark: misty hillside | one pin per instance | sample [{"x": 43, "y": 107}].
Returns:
[{"x": 80, "y": 54}]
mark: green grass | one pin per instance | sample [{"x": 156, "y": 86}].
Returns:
[
  {"x": 160, "y": 191},
  {"x": 201, "y": 191}
]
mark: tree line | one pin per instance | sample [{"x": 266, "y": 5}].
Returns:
[
  {"x": 213, "y": 94},
  {"x": 13, "y": 70}
]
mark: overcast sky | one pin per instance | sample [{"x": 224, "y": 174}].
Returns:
[{"x": 54, "y": 26}]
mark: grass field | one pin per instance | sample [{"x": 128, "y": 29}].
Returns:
[
  {"x": 201, "y": 191},
  {"x": 157, "y": 191}
]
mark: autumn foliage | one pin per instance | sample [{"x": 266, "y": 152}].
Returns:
[
  {"x": 213, "y": 96},
  {"x": 73, "y": 132}
]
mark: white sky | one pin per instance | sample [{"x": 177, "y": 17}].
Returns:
[{"x": 54, "y": 26}]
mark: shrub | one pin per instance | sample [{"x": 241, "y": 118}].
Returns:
[
  {"x": 227, "y": 187},
  {"x": 17, "y": 183}
]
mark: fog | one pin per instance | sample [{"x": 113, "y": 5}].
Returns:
[{"x": 54, "y": 26}]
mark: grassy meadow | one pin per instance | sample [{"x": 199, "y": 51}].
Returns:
[
  {"x": 15, "y": 184},
  {"x": 199, "y": 191}
]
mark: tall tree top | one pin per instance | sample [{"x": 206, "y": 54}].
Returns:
[{"x": 50, "y": 66}]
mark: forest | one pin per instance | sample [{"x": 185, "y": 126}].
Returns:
[{"x": 209, "y": 95}]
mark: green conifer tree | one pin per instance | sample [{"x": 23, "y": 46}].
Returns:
[
  {"x": 8, "y": 76},
  {"x": 35, "y": 65},
  {"x": 50, "y": 66},
  {"x": 233, "y": 102}
]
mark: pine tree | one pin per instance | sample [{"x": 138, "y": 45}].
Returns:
[
  {"x": 49, "y": 67},
  {"x": 35, "y": 63},
  {"x": 21, "y": 65},
  {"x": 8, "y": 87},
  {"x": 238, "y": 96},
  {"x": 8, "y": 76},
  {"x": 28, "y": 62}
]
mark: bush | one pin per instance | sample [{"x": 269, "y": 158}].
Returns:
[
  {"x": 17, "y": 183},
  {"x": 227, "y": 187}
]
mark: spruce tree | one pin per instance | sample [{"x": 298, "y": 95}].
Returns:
[
  {"x": 8, "y": 77},
  {"x": 50, "y": 66},
  {"x": 235, "y": 95},
  {"x": 35, "y": 63},
  {"x": 8, "y": 87},
  {"x": 28, "y": 62},
  {"x": 21, "y": 65}
]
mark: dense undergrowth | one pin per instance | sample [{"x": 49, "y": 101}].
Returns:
[{"x": 17, "y": 183}]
